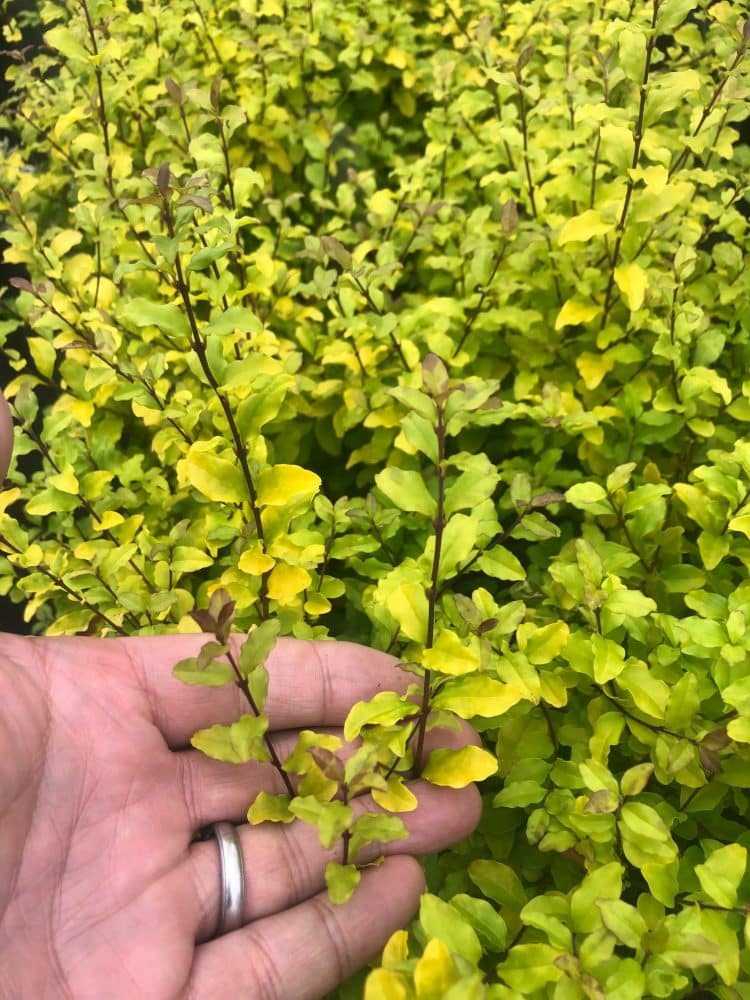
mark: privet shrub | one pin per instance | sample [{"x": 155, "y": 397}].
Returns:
[{"x": 424, "y": 325}]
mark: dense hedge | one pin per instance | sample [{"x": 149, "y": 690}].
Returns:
[{"x": 423, "y": 325}]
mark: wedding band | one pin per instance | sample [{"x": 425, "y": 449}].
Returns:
[{"x": 232, "y": 890}]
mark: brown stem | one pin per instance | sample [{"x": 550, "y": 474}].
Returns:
[{"x": 244, "y": 687}]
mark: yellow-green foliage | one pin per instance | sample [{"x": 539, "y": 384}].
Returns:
[{"x": 425, "y": 325}]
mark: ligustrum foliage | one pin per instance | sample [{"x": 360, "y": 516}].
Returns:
[{"x": 423, "y": 325}]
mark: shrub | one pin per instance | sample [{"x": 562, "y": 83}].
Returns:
[{"x": 423, "y": 325}]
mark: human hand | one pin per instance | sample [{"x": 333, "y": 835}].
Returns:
[{"x": 102, "y": 892}]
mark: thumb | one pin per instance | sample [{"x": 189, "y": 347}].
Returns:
[{"x": 6, "y": 438}]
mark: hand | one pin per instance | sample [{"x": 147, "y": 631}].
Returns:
[{"x": 102, "y": 891}]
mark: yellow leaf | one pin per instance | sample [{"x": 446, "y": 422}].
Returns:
[
  {"x": 81, "y": 410},
  {"x": 741, "y": 523},
  {"x": 396, "y": 949},
  {"x": 255, "y": 561},
  {"x": 541, "y": 645},
  {"x": 386, "y": 984},
  {"x": 397, "y": 797},
  {"x": 65, "y": 240},
  {"x": 632, "y": 281},
  {"x": 582, "y": 228},
  {"x": 435, "y": 972},
  {"x": 477, "y": 695},
  {"x": 458, "y": 768},
  {"x": 65, "y": 481},
  {"x": 285, "y": 582},
  {"x": 109, "y": 519},
  {"x": 214, "y": 477},
  {"x": 451, "y": 655},
  {"x": 286, "y": 484},
  {"x": 408, "y": 605},
  {"x": 593, "y": 368},
  {"x": 396, "y": 57},
  {"x": 574, "y": 312}
]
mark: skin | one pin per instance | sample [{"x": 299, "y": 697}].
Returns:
[{"x": 102, "y": 889}]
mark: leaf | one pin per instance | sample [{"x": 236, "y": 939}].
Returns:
[
  {"x": 501, "y": 564},
  {"x": 397, "y": 797},
  {"x": 622, "y": 920},
  {"x": 383, "y": 709},
  {"x": 484, "y": 918},
  {"x": 583, "y": 494},
  {"x": 632, "y": 281},
  {"x": 476, "y": 695},
  {"x": 458, "y": 768},
  {"x": 574, "y": 312},
  {"x": 408, "y": 605},
  {"x": 451, "y": 655},
  {"x": 375, "y": 828},
  {"x": 582, "y": 228},
  {"x": 529, "y": 967},
  {"x": 283, "y": 485},
  {"x": 255, "y": 561},
  {"x": 459, "y": 538},
  {"x": 66, "y": 43},
  {"x": 214, "y": 674},
  {"x": 499, "y": 882},
  {"x": 603, "y": 883},
  {"x": 330, "y": 818},
  {"x": 722, "y": 873},
  {"x": 385, "y": 984},
  {"x": 542, "y": 645},
  {"x": 286, "y": 582},
  {"x": 635, "y": 779},
  {"x": 270, "y": 808},
  {"x": 258, "y": 645},
  {"x": 341, "y": 881},
  {"x": 207, "y": 256},
  {"x": 442, "y": 921},
  {"x": 214, "y": 477},
  {"x": 632, "y": 49},
  {"x": 629, "y": 603},
  {"x": 235, "y": 744},
  {"x": 164, "y": 316},
  {"x": 435, "y": 971},
  {"x": 406, "y": 489}
]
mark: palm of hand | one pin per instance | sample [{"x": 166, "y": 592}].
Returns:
[{"x": 104, "y": 890}]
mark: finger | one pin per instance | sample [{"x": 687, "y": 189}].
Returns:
[
  {"x": 307, "y": 951},
  {"x": 6, "y": 437},
  {"x": 216, "y": 791},
  {"x": 311, "y": 683},
  {"x": 285, "y": 864}
]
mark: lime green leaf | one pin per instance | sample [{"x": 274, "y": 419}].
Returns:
[
  {"x": 501, "y": 564},
  {"x": 722, "y": 873},
  {"x": 214, "y": 477},
  {"x": 341, "y": 881},
  {"x": 206, "y": 256},
  {"x": 214, "y": 674},
  {"x": 406, "y": 489},
  {"x": 235, "y": 744},
  {"x": 629, "y": 603},
  {"x": 484, "y": 918},
  {"x": 270, "y": 808},
  {"x": 331, "y": 818},
  {"x": 583, "y": 494},
  {"x": 542, "y": 645},
  {"x": 602, "y": 883},
  {"x": 257, "y": 647},
  {"x": 375, "y": 827},
  {"x": 622, "y": 920},
  {"x": 383, "y": 709},
  {"x": 632, "y": 45},
  {"x": 529, "y": 967},
  {"x": 635, "y": 779},
  {"x": 499, "y": 882},
  {"x": 458, "y": 768},
  {"x": 442, "y": 921}
]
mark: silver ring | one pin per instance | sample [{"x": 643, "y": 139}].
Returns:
[{"x": 232, "y": 890}]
